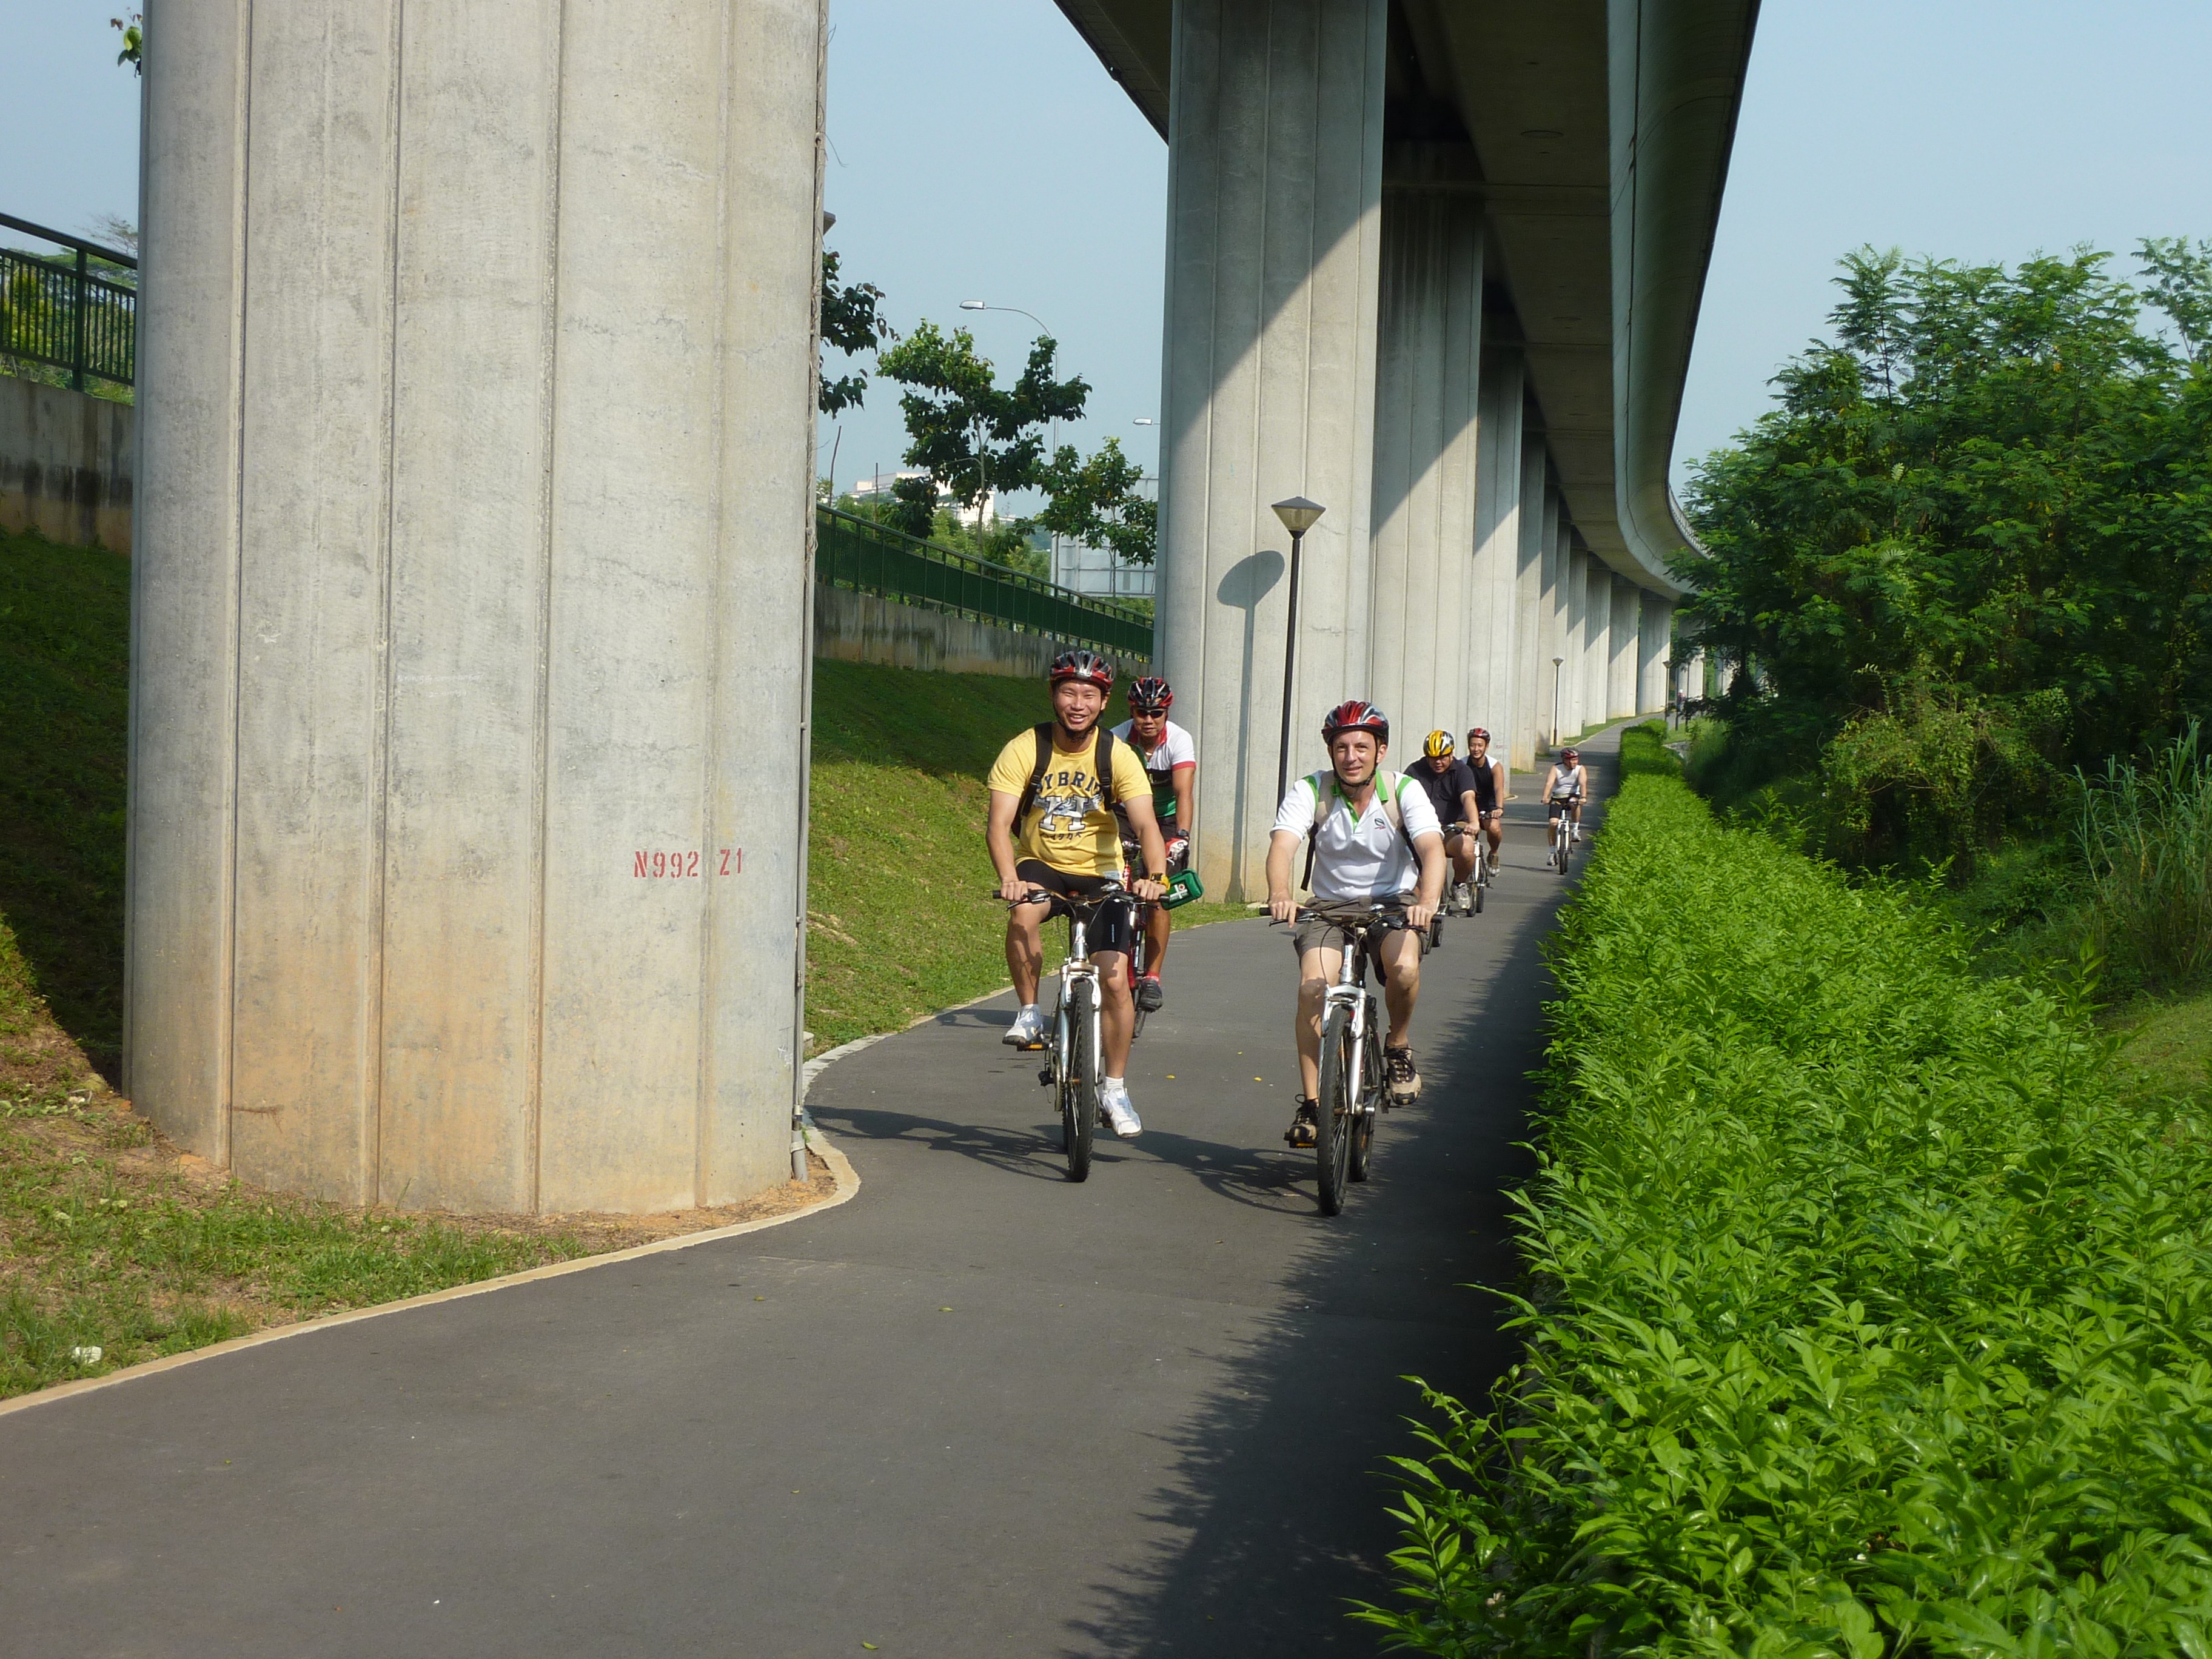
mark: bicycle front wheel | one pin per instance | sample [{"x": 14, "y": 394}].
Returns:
[
  {"x": 1336, "y": 1111},
  {"x": 1367, "y": 1106},
  {"x": 1079, "y": 1084}
]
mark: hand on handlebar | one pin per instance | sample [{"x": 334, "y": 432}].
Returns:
[
  {"x": 1150, "y": 891},
  {"x": 1014, "y": 890},
  {"x": 1281, "y": 907},
  {"x": 1420, "y": 915}
]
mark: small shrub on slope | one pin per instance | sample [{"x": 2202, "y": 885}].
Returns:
[{"x": 1871, "y": 1313}]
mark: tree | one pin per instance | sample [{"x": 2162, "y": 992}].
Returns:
[
  {"x": 133, "y": 29},
  {"x": 852, "y": 321},
  {"x": 1972, "y": 540},
  {"x": 973, "y": 436},
  {"x": 1096, "y": 502}
]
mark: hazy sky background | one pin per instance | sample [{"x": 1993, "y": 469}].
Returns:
[{"x": 981, "y": 153}]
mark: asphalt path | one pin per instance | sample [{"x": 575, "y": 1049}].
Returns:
[{"x": 976, "y": 1410}]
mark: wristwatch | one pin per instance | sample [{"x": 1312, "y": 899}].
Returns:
[{"x": 1156, "y": 875}]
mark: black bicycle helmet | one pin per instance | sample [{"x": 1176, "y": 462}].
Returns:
[
  {"x": 1082, "y": 665},
  {"x": 1355, "y": 714},
  {"x": 1149, "y": 694}
]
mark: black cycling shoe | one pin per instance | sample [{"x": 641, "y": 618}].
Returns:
[
  {"x": 1150, "y": 996},
  {"x": 1405, "y": 1082},
  {"x": 1304, "y": 1130}
]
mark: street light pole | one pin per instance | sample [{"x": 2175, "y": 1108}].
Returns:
[{"x": 1298, "y": 515}]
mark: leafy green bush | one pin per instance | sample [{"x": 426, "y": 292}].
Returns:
[
  {"x": 1643, "y": 752},
  {"x": 1871, "y": 1310}
]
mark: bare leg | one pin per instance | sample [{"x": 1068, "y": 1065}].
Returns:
[
  {"x": 1401, "y": 986},
  {"x": 1025, "y": 951},
  {"x": 1157, "y": 926},
  {"x": 1117, "y": 1015},
  {"x": 1317, "y": 971}
]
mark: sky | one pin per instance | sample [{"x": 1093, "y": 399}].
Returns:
[{"x": 980, "y": 152}]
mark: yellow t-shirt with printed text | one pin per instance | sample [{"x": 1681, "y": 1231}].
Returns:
[{"x": 1071, "y": 828}]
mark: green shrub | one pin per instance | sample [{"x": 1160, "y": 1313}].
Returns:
[
  {"x": 1870, "y": 1312},
  {"x": 1643, "y": 752}
]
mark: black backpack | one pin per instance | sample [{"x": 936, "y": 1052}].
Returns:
[{"x": 1101, "y": 761}]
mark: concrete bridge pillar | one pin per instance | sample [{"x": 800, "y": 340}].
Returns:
[
  {"x": 1532, "y": 661},
  {"x": 1575, "y": 565},
  {"x": 1597, "y": 640},
  {"x": 1274, "y": 194},
  {"x": 1422, "y": 626},
  {"x": 1621, "y": 661},
  {"x": 1554, "y": 616},
  {"x": 1494, "y": 591},
  {"x": 1653, "y": 643},
  {"x": 468, "y": 688}
]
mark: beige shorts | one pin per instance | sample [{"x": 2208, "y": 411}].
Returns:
[{"x": 1321, "y": 933}]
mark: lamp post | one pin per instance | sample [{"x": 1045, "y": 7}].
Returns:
[
  {"x": 1556, "y": 661},
  {"x": 1298, "y": 515}
]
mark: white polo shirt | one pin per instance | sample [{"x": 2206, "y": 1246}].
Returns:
[{"x": 1364, "y": 861}]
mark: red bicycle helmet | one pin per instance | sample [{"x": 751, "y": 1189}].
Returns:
[
  {"x": 1357, "y": 714},
  {"x": 1149, "y": 694},
  {"x": 1477, "y": 732},
  {"x": 1081, "y": 664}
]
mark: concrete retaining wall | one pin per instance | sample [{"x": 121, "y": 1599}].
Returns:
[
  {"x": 851, "y": 627},
  {"x": 66, "y": 459}
]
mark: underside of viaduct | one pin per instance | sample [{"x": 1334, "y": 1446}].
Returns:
[{"x": 469, "y": 712}]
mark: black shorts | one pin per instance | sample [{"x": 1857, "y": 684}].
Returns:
[
  {"x": 1113, "y": 930},
  {"x": 1558, "y": 806}
]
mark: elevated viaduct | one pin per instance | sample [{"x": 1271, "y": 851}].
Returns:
[{"x": 469, "y": 690}]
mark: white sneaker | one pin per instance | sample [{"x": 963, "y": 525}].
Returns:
[
  {"x": 1028, "y": 1029},
  {"x": 1114, "y": 1099}
]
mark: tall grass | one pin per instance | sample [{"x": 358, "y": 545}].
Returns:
[
  {"x": 1869, "y": 1310},
  {"x": 2145, "y": 835}
]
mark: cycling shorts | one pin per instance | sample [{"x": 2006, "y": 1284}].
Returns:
[
  {"x": 1113, "y": 930},
  {"x": 1559, "y": 805}
]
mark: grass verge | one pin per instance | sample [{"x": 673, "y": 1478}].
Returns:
[
  {"x": 1871, "y": 1304},
  {"x": 902, "y": 915}
]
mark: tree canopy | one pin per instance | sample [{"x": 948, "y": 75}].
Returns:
[{"x": 1972, "y": 542}]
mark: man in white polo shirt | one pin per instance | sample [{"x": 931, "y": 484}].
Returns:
[{"x": 1377, "y": 842}]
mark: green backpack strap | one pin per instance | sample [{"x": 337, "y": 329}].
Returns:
[{"x": 1387, "y": 785}]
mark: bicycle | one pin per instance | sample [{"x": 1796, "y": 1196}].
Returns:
[
  {"x": 1072, "y": 1071},
  {"x": 1564, "y": 838},
  {"x": 1472, "y": 906},
  {"x": 1351, "y": 1091}
]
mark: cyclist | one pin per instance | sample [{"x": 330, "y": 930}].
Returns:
[
  {"x": 1451, "y": 788},
  {"x": 1489, "y": 790},
  {"x": 1374, "y": 839},
  {"x": 1565, "y": 786},
  {"x": 1053, "y": 779},
  {"x": 1170, "y": 760}
]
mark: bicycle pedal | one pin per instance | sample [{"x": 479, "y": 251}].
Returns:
[{"x": 1044, "y": 1077}]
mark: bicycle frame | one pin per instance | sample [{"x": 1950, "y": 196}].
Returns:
[
  {"x": 1350, "y": 991},
  {"x": 1077, "y": 966}
]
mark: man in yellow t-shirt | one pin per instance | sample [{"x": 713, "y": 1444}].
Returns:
[{"x": 1070, "y": 843}]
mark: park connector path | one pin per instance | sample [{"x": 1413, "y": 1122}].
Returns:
[{"x": 976, "y": 1410}]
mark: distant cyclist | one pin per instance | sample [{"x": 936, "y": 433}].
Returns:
[
  {"x": 1054, "y": 781},
  {"x": 1565, "y": 787},
  {"x": 1489, "y": 790},
  {"x": 1450, "y": 784},
  {"x": 1170, "y": 760},
  {"x": 1374, "y": 839}
]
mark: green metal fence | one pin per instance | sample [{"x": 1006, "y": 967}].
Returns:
[
  {"x": 868, "y": 557},
  {"x": 76, "y": 311}
]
